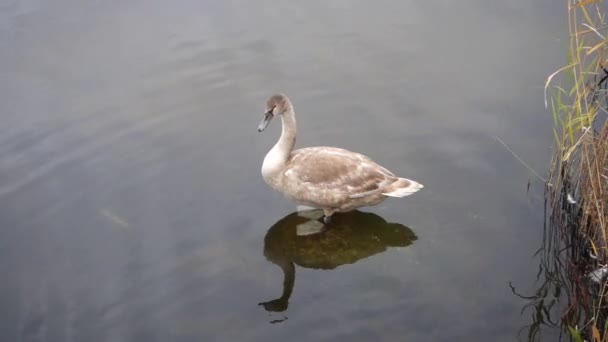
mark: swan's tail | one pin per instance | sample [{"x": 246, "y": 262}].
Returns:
[{"x": 403, "y": 187}]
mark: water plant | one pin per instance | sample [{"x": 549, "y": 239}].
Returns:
[{"x": 574, "y": 254}]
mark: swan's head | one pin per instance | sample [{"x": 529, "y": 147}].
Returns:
[{"x": 277, "y": 104}]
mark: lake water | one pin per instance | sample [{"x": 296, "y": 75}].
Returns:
[{"x": 132, "y": 207}]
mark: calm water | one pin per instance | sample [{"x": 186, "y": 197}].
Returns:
[{"x": 131, "y": 202}]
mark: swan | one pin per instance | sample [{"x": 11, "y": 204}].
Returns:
[
  {"x": 353, "y": 236},
  {"x": 322, "y": 177}
]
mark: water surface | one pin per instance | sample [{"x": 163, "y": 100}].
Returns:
[{"x": 131, "y": 202}]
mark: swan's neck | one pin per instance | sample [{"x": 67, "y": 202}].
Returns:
[
  {"x": 289, "y": 279},
  {"x": 278, "y": 156}
]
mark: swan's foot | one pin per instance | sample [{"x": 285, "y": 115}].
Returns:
[
  {"x": 326, "y": 219},
  {"x": 314, "y": 226}
]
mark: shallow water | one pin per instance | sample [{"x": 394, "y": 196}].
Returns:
[{"x": 131, "y": 202}]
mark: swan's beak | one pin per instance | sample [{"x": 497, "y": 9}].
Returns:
[{"x": 267, "y": 117}]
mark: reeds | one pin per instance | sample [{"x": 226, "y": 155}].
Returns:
[{"x": 574, "y": 255}]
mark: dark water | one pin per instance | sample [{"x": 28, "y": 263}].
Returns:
[{"x": 131, "y": 202}]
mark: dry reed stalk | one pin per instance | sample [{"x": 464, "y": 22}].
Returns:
[{"x": 577, "y": 193}]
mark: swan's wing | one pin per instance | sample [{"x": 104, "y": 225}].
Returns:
[{"x": 321, "y": 169}]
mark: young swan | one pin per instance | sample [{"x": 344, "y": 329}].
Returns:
[{"x": 328, "y": 178}]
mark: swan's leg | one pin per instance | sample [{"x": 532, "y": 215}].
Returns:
[{"x": 328, "y": 213}]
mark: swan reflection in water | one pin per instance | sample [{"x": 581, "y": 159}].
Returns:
[{"x": 352, "y": 236}]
